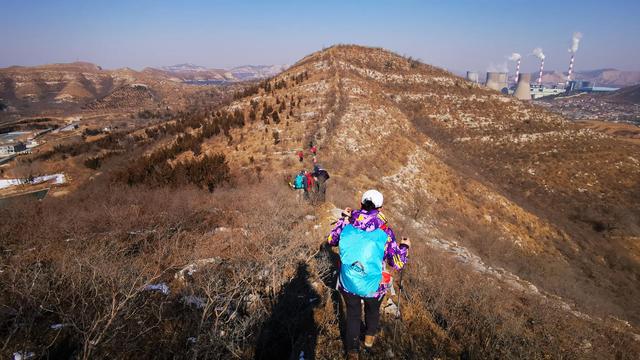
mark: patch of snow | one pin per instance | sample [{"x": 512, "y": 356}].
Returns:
[{"x": 161, "y": 287}]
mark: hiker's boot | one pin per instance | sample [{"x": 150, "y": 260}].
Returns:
[
  {"x": 368, "y": 341},
  {"x": 352, "y": 355}
]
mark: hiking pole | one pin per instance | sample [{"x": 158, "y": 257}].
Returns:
[
  {"x": 398, "y": 314},
  {"x": 400, "y": 287}
]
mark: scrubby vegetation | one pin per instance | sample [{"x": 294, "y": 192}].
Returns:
[
  {"x": 73, "y": 285},
  {"x": 168, "y": 254},
  {"x": 112, "y": 141}
]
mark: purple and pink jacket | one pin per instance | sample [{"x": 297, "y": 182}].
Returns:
[{"x": 394, "y": 255}]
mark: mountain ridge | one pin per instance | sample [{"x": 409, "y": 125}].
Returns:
[
  {"x": 598, "y": 77},
  {"x": 462, "y": 115},
  {"x": 523, "y": 224}
]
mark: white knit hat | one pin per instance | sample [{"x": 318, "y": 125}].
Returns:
[{"x": 374, "y": 196}]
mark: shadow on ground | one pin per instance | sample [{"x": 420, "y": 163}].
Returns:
[{"x": 291, "y": 329}]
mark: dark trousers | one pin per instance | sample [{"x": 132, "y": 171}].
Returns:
[
  {"x": 321, "y": 188},
  {"x": 354, "y": 313}
]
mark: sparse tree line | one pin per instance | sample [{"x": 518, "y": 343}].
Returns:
[
  {"x": 206, "y": 171},
  {"x": 95, "y": 162},
  {"x": 268, "y": 87},
  {"x": 29, "y": 124},
  {"x": 113, "y": 141},
  {"x": 149, "y": 114},
  {"x": 92, "y": 132},
  {"x": 273, "y": 113},
  {"x": 248, "y": 91}
]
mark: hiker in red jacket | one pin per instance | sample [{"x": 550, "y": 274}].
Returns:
[
  {"x": 310, "y": 180},
  {"x": 314, "y": 150},
  {"x": 308, "y": 185},
  {"x": 300, "y": 155}
]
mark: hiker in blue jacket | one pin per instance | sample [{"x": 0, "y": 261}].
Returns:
[
  {"x": 367, "y": 246},
  {"x": 300, "y": 181}
]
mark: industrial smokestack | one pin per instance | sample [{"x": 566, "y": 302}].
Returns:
[
  {"x": 496, "y": 80},
  {"x": 570, "y": 67},
  {"x": 575, "y": 42},
  {"x": 517, "y": 58},
  {"x": 473, "y": 76},
  {"x": 523, "y": 89},
  {"x": 537, "y": 52}
]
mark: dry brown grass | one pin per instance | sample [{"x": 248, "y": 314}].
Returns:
[
  {"x": 261, "y": 287},
  {"x": 84, "y": 264}
]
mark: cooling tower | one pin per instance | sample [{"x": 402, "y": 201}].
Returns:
[
  {"x": 496, "y": 80},
  {"x": 523, "y": 89},
  {"x": 473, "y": 76}
]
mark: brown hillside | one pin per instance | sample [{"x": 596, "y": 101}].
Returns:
[
  {"x": 629, "y": 94},
  {"x": 524, "y": 226},
  {"x": 470, "y": 169}
]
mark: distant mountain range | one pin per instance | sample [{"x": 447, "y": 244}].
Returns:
[
  {"x": 184, "y": 67},
  {"x": 194, "y": 73},
  {"x": 598, "y": 77},
  {"x": 80, "y": 84}
]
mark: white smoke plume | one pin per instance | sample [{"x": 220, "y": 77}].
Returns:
[
  {"x": 500, "y": 67},
  {"x": 575, "y": 41},
  {"x": 515, "y": 57},
  {"x": 537, "y": 52}
]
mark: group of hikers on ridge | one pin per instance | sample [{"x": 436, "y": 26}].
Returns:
[
  {"x": 367, "y": 247},
  {"x": 312, "y": 183}
]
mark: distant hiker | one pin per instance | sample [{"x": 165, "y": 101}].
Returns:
[
  {"x": 309, "y": 184},
  {"x": 367, "y": 245},
  {"x": 299, "y": 185},
  {"x": 300, "y": 155},
  {"x": 305, "y": 184},
  {"x": 300, "y": 181},
  {"x": 315, "y": 160},
  {"x": 313, "y": 149},
  {"x": 321, "y": 176}
]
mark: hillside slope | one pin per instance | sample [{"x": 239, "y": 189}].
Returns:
[
  {"x": 524, "y": 226},
  {"x": 630, "y": 94},
  {"x": 520, "y": 187}
]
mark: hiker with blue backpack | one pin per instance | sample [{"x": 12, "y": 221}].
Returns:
[
  {"x": 299, "y": 181},
  {"x": 367, "y": 245}
]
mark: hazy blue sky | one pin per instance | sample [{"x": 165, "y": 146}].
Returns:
[{"x": 458, "y": 35}]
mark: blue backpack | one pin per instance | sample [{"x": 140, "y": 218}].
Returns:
[
  {"x": 298, "y": 183},
  {"x": 361, "y": 254}
]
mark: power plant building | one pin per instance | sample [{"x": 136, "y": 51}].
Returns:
[
  {"x": 497, "y": 81},
  {"x": 523, "y": 88},
  {"x": 473, "y": 76},
  {"x": 586, "y": 86},
  {"x": 538, "y": 91}
]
